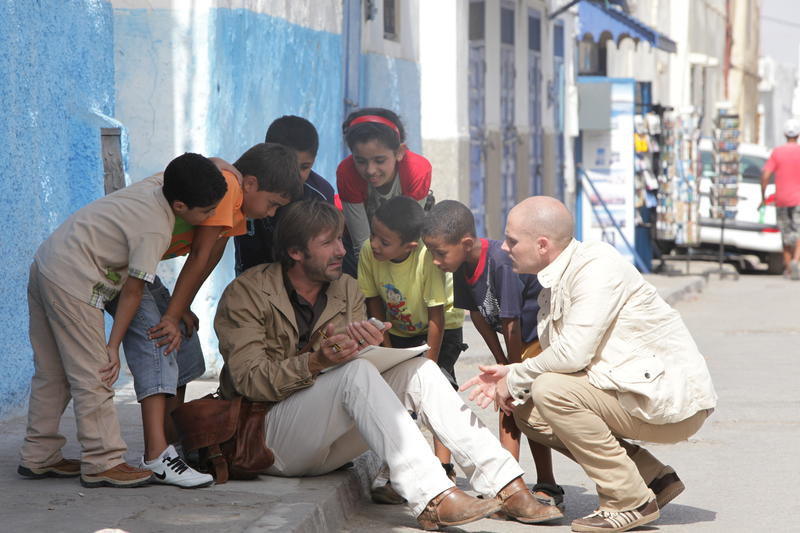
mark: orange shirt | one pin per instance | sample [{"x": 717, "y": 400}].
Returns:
[{"x": 228, "y": 215}]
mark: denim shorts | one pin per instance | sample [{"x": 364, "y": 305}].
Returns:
[{"x": 152, "y": 371}]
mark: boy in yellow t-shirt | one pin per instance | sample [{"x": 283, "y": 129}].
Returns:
[
  {"x": 264, "y": 178},
  {"x": 402, "y": 286}
]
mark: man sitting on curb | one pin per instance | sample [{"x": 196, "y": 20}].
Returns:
[
  {"x": 617, "y": 363},
  {"x": 281, "y": 325}
]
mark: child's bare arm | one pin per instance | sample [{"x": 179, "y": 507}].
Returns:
[
  {"x": 375, "y": 308},
  {"x": 207, "y": 249},
  {"x": 129, "y": 299},
  {"x": 513, "y": 336},
  {"x": 490, "y": 336},
  {"x": 435, "y": 331}
]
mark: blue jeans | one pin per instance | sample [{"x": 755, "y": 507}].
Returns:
[{"x": 153, "y": 372}]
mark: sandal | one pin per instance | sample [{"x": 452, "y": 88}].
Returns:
[
  {"x": 549, "y": 494},
  {"x": 450, "y": 470}
]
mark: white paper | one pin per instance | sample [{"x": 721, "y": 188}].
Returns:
[{"x": 385, "y": 358}]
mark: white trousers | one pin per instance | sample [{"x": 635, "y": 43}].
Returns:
[{"x": 353, "y": 408}]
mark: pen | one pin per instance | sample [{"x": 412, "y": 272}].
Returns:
[{"x": 336, "y": 348}]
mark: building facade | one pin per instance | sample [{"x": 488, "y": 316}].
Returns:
[{"x": 498, "y": 103}]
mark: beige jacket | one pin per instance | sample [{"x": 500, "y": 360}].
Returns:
[
  {"x": 258, "y": 333},
  {"x": 598, "y": 314}
]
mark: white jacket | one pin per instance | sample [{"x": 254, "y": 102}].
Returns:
[{"x": 598, "y": 314}]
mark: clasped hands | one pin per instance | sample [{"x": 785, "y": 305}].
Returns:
[
  {"x": 490, "y": 387},
  {"x": 338, "y": 348}
]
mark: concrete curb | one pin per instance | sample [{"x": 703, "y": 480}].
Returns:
[
  {"x": 331, "y": 512},
  {"x": 693, "y": 285},
  {"x": 265, "y": 505}
]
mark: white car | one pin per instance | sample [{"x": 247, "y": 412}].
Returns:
[{"x": 745, "y": 234}]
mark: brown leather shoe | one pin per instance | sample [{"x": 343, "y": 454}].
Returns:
[
  {"x": 454, "y": 507},
  {"x": 613, "y": 521},
  {"x": 519, "y": 504},
  {"x": 63, "y": 468},
  {"x": 667, "y": 486},
  {"x": 122, "y": 475}
]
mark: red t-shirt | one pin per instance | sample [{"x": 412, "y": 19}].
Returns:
[
  {"x": 414, "y": 172},
  {"x": 785, "y": 163}
]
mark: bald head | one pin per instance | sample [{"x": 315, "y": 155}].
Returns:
[{"x": 544, "y": 216}]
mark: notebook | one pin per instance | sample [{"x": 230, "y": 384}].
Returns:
[{"x": 385, "y": 358}]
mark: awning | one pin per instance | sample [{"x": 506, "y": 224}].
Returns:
[{"x": 597, "y": 19}]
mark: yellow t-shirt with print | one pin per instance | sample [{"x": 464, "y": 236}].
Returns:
[{"x": 408, "y": 289}]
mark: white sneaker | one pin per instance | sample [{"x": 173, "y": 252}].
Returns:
[{"x": 169, "y": 468}]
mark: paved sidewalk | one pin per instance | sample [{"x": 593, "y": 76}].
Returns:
[{"x": 269, "y": 504}]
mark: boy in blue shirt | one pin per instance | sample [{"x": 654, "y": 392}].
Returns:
[
  {"x": 402, "y": 286},
  {"x": 297, "y": 133},
  {"x": 499, "y": 302}
]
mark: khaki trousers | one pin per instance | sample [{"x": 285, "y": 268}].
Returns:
[
  {"x": 567, "y": 413},
  {"x": 68, "y": 339}
]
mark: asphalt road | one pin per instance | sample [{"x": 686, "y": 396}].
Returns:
[{"x": 740, "y": 469}]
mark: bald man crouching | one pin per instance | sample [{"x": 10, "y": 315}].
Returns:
[{"x": 617, "y": 363}]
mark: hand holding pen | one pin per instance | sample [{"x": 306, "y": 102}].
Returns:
[{"x": 335, "y": 349}]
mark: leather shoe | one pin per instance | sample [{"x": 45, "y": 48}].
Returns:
[
  {"x": 667, "y": 486},
  {"x": 454, "y": 507},
  {"x": 519, "y": 504}
]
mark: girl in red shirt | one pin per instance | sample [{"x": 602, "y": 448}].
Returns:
[{"x": 380, "y": 167}]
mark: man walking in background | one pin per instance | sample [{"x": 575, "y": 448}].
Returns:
[{"x": 784, "y": 163}]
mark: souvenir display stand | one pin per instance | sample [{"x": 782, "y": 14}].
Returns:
[
  {"x": 677, "y": 211},
  {"x": 724, "y": 192}
]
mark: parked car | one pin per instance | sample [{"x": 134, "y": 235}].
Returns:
[{"x": 748, "y": 233}]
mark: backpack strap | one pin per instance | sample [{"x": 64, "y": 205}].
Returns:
[{"x": 218, "y": 466}]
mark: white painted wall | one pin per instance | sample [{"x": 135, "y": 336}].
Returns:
[
  {"x": 315, "y": 14},
  {"x": 444, "y": 69},
  {"x": 493, "y": 65}
]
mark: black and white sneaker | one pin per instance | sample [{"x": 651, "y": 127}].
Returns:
[{"x": 170, "y": 469}]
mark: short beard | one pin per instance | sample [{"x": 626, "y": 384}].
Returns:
[{"x": 315, "y": 273}]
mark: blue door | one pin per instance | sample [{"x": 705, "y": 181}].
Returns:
[
  {"x": 535, "y": 100},
  {"x": 508, "y": 168},
  {"x": 477, "y": 114},
  {"x": 558, "y": 107}
]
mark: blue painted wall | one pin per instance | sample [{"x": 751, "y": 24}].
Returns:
[
  {"x": 259, "y": 68},
  {"x": 264, "y": 67},
  {"x": 54, "y": 104},
  {"x": 394, "y": 84}
]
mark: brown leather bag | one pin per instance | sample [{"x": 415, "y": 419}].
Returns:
[{"x": 230, "y": 436}]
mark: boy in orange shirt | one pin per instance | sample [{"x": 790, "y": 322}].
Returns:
[{"x": 264, "y": 178}]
